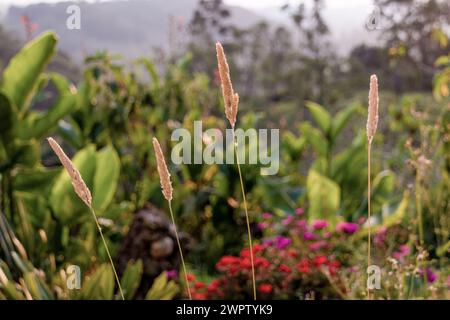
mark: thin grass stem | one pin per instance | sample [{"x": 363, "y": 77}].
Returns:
[
  {"x": 107, "y": 251},
  {"x": 369, "y": 216},
  {"x": 180, "y": 250},
  {"x": 246, "y": 215}
]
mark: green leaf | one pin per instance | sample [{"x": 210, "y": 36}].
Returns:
[
  {"x": 99, "y": 285},
  {"x": 63, "y": 200},
  {"x": 106, "y": 178},
  {"x": 162, "y": 289},
  {"x": 382, "y": 187},
  {"x": 315, "y": 138},
  {"x": 38, "y": 180},
  {"x": 389, "y": 220},
  {"x": 7, "y": 116},
  {"x": 131, "y": 278},
  {"x": 344, "y": 161},
  {"x": 320, "y": 115},
  {"x": 37, "y": 125},
  {"x": 323, "y": 196},
  {"x": 342, "y": 118},
  {"x": 26, "y": 153},
  {"x": 20, "y": 78}
]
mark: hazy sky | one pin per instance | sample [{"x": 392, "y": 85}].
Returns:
[{"x": 243, "y": 3}]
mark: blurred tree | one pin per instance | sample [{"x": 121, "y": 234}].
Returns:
[{"x": 410, "y": 29}]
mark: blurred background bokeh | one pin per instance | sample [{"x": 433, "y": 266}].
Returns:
[{"x": 139, "y": 69}]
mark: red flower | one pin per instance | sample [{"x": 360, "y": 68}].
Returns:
[
  {"x": 200, "y": 296},
  {"x": 190, "y": 277},
  {"x": 262, "y": 262},
  {"x": 212, "y": 287},
  {"x": 320, "y": 260},
  {"x": 199, "y": 285},
  {"x": 333, "y": 266},
  {"x": 292, "y": 253},
  {"x": 226, "y": 261},
  {"x": 257, "y": 248},
  {"x": 303, "y": 266},
  {"x": 246, "y": 263},
  {"x": 265, "y": 288},
  {"x": 233, "y": 270},
  {"x": 284, "y": 268}
]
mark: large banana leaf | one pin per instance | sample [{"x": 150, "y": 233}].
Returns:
[
  {"x": 21, "y": 76},
  {"x": 323, "y": 196},
  {"x": 37, "y": 124},
  {"x": 106, "y": 178}
]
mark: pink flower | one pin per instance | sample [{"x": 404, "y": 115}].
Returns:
[
  {"x": 171, "y": 274},
  {"x": 301, "y": 223},
  {"x": 320, "y": 224},
  {"x": 308, "y": 236},
  {"x": 299, "y": 211},
  {"x": 317, "y": 245},
  {"x": 431, "y": 276},
  {"x": 287, "y": 220},
  {"x": 347, "y": 227},
  {"x": 266, "y": 215},
  {"x": 380, "y": 236},
  {"x": 282, "y": 242},
  {"x": 402, "y": 252},
  {"x": 262, "y": 225}
]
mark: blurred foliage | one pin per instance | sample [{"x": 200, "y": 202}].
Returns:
[{"x": 107, "y": 119}]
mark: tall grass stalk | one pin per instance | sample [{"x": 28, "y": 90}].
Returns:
[
  {"x": 167, "y": 190},
  {"x": 372, "y": 122},
  {"x": 231, "y": 101},
  {"x": 84, "y": 193}
]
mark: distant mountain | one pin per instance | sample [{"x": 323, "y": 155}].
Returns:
[
  {"x": 131, "y": 28},
  {"x": 134, "y": 28}
]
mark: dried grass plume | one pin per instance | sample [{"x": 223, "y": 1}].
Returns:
[
  {"x": 372, "y": 118},
  {"x": 164, "y": 175},
  {"x": 231, "y": 99},
  {"x": 77, "y": 181}
]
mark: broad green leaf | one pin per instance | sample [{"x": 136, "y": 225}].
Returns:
[
  {"x": 382, "y": 187},
  {"x": 37, "y": 124},
  {"x": 162, "y": 289},
  {"x": 442, "y": 60},
  {"x": 106, "y": 178},
  {"x": 33, "y": 209},
  {"x": 38, "y": 180},
  {"x": 131, "y": 278},
  {"x": 315, "y": 138},
  {"x": 20, "y": 78},
  {"x": 99, "y": 285},
  {"x": 7, "y": 118},
  {"x": 323, "y": 197},
  {"x": 444, "y": 249},
  {"x": 389, "y": 220},
  {"x": 63, "y": 199},
  {"x": 320, "y": 115},
  {"x": 343, "y": 161},
  {"x": 26, "y": 153},
  {"x": 342, "y": 118}
]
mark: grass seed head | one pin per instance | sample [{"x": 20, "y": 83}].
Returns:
[
  {"x": 164, "y": 175},
  {"x": 77, "y": 181},
  {"x": 372, "y": 118},
  {"x": 231, "y": 99}
]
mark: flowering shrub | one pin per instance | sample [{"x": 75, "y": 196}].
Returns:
[{"x": 297, "y": 259}]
